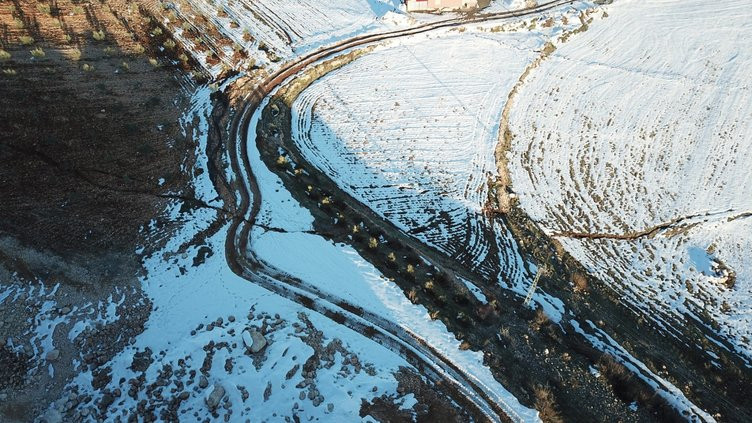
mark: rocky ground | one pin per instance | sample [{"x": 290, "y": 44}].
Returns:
[{"x": 92, "y": 152}]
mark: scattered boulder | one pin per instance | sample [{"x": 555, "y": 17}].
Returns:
[
  {"x": 203, "y": 382},
  {"x": 268, "y": 391},
  {"x": 52, "y": 416},
  {"x": 53, "y": 355},
  {"x": 215, "y": 397},
  {"x": 254, "y": 340}
]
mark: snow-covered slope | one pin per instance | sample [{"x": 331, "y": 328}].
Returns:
[
  {"x": 412, "y": 133},
  {"x": 637, "y": 122}
]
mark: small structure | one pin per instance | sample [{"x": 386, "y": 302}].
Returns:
[{"x": 438, "y": 5}]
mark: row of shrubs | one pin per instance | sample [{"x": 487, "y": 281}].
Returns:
[{"x": 417, "y": 279}]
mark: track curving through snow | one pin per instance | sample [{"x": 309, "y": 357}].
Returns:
[{"x": 244, "y": 264}]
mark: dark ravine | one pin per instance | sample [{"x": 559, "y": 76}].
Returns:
[{"x": 521, "y": 368}]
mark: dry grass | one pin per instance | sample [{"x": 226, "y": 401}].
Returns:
[
  {"x": 580, "y": 282},
  {"x": 38, "y": 53},
  {"x": 546, "y": 405},
  {"x": 412, "y": 295},
  {"x": 98, "y": 35},
  {"x": 540, "y": 320}
]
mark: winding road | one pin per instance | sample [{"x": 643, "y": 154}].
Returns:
[
  {"x": 467, "y": 389},
  {"x": 464, "y": 387}
]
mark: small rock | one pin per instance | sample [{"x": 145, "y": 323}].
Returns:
[
  {"x": 203, "y": 382},
  {"x": 53, "y": 355},
  {"x": 216, "y": 395},
  {"x": 65, "y": 310},
  {"x": 107, "y": 400},
  {"x": 318, "y": 400},
  {"x": 231, "y": 318},
  {"x": 268, "y": 391},
  {"x": 330, "y": 407},
  {"x": 52, "y": 416}
]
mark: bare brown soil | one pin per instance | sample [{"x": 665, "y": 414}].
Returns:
[
  {"x": 87, "y": 130},
  {"x": 91, "y": 151}
]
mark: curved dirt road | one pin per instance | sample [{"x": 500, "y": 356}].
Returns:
[{"x": 465, "y": 388}]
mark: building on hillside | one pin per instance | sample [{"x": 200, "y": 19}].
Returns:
[{"x": 431, "y": 5}]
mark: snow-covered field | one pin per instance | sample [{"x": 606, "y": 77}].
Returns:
[
  {"x": 638, "y": 122},
  {"x": 412, "y": 133}
]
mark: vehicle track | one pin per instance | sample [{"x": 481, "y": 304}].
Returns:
[{"x": 246, "y": 265}]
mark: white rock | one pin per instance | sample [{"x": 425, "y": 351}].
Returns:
[{"x": 53, "y": 355}]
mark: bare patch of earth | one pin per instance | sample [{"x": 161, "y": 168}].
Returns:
[{"x": 92, "y": 153}]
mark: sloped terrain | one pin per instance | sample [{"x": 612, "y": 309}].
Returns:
[
  {"x": 631, "y": 146},
  {"x": 412, "y": 133},
  {"x": 380, "y": 276}
]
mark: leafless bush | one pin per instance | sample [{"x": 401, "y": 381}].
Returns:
[
  {"x": 546, "y": 405},
  {"x": 540, "y": 320},
  {"x": 413, "y": 296},
  {"x": 580, "y": 282}
]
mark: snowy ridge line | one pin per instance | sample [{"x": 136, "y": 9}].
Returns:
[{"x": 665, "y": 389}]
